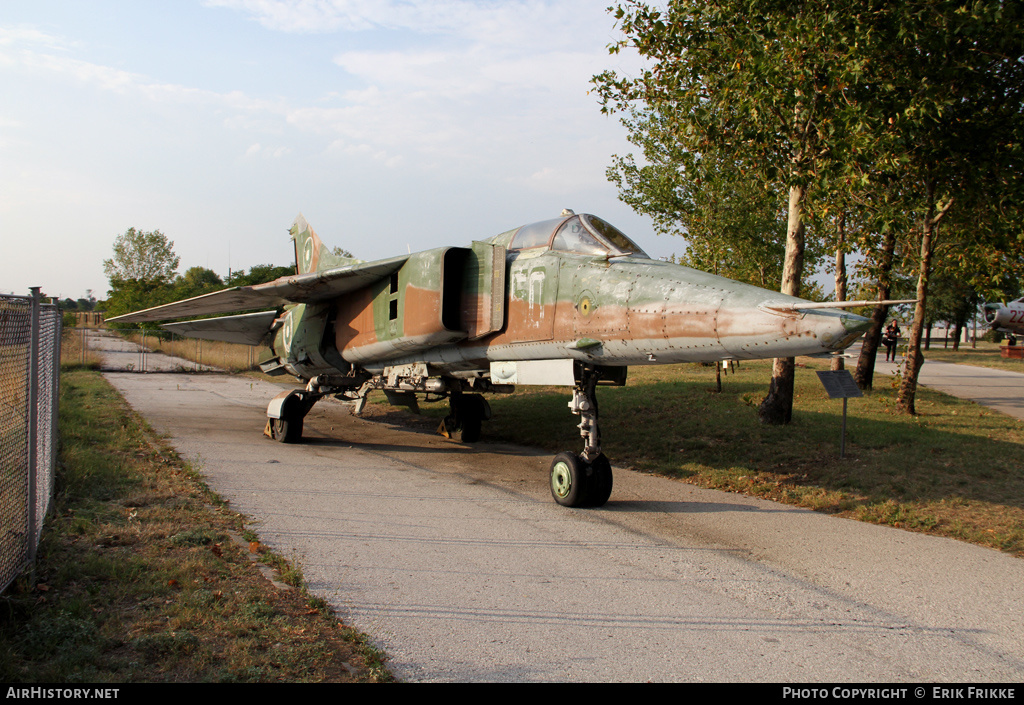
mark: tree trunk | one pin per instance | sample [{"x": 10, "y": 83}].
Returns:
[
  {"x": 908, "y": 387},
  {"x": 837, "y": 360},
  {"x": 777, "y": 407},
  {"x": 865, "y": 372}
]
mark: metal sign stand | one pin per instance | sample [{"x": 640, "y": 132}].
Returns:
[{"x": 840, "y": 385}]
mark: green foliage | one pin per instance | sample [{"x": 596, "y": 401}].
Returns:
[
  {"x": 259, "y": 274},
  {"x": 901, "y": 114},
  {"x": 196, "y": 281},
  {"x": 141, "y": 271},
  {"x": 142, "y": 257},
  {"x": 734, "y": 225},
  {"x": 127, "y": 295}
]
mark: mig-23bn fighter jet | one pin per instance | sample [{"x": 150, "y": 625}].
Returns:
[{"x": 569, "y": 301}]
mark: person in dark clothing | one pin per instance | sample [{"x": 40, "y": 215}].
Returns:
[{"x": 889, "y": 339}]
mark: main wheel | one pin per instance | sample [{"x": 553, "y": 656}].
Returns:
[
  {"x": 469, "y": 411},
  {"x": 569, "y": 480},
  {"x": 601, "y": 481},
  {"x": 287, "y": 429},
  {"x": 472, "y": 411}
]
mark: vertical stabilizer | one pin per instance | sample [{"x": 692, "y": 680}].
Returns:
[
  {"x": 310, "y": 253},
  {"x": 308, "y": 247}
]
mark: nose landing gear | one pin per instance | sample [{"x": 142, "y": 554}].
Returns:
[{"x": 583, "y": 480}]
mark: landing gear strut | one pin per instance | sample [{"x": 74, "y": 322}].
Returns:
[{"x": 583, "y": 480}]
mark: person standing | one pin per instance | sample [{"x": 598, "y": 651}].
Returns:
[{"x": 890, "y": 338}]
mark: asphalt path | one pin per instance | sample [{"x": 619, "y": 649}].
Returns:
[
  {"x": 1001, "y": 390},
  {"x": 454, "y": 559}
]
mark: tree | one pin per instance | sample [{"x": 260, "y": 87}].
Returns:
[
  {"x": 732, "y": 223},
  {"x": 87, "y": 302},
  {"x": 140, "y": 272},
  {"x": 765, "y": 83},
  {"x": 884, "y": 206},
  {"x": 142, "y": 257},
  {"x": 259, "y": 274},
  {"x": 197, "y": 281},
  {"x": 951, "y": 74}
]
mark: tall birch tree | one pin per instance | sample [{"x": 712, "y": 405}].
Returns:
[{"x": 766, "y": 83}]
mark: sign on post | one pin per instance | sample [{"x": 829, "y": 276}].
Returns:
[{"x": 840, "y": 385}]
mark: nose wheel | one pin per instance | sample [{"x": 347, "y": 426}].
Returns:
[
  {"x": 583, "y": 480},
  {"x": 575, "y": 482}
]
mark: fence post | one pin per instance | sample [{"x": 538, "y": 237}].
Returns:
[{"x": 33, "y": 417}]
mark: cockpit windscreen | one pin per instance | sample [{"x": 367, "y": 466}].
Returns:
[{"x": 580, "y": 234}]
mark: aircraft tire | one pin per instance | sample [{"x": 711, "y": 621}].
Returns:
[
  {"x": 472, "y": 411},
  {"x": 570, "y": 480},
  {"x": 601, "y": 481},
  {"x": 287, "y": 429}
]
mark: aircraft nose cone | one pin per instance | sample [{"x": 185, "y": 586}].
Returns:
[
  {"x": 990, "y": 312},
  {"x": 839, "y": 331},
  {"x": 854, "y": 323}
]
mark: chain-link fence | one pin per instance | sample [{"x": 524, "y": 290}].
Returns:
[{"x": 29, "y": 379}]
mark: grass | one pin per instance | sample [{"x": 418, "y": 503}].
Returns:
[
  {"x": 986, "y": 354},
  {"x": 144, "y": 575},
  {"x": 231, "y": 357},
  {"x": 75, "y": 351}
]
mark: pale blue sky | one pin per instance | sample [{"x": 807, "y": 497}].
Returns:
[{"x": 391, "y": 125}]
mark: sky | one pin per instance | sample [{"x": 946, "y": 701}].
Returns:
[{"x": 392, "y": 125}]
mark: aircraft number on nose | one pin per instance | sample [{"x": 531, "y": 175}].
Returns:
[{"x": 529, "y": 287}]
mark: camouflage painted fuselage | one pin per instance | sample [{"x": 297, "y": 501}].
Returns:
[{"x": 540, "y": 298}]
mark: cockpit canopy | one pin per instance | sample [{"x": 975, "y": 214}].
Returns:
[{"x": 580, "y": 234}]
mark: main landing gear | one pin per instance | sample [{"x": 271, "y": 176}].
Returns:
[
  {"x": 583, "y": 480},
  {"x": 576, "y": 480},
  {"x": 286, "y": 413},
  {"x": 468, "y": 412}
]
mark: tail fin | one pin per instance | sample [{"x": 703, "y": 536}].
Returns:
[
  {"x": 308, "y": 247},
  {"x": 310, "y": 253}
]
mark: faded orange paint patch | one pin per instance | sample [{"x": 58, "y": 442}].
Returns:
[
  {"x": 422, "y": 311},
  {"x": 353, "y": 323}
]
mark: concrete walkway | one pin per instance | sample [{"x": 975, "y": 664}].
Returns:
[{"x": 997, "y": 389}]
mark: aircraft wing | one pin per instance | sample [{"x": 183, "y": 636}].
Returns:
[
  {"x": 247, "y": 328},
  {"x": 312, "y": 287}
]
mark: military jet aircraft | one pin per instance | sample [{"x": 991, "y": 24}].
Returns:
[
  {"x": 568, "y": 301},
  {"x": 1008, "y": 318}
]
